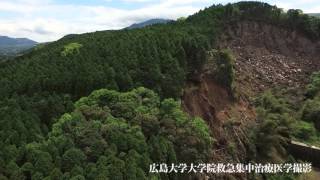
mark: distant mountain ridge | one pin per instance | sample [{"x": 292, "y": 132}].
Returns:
[
  {"x": 226, "y": 84},
  {"x": 8, "y": 41},
  {"x": 13, "y": 46},
  {"x": 149, "y": 23},
  {"x": 315, "y": 14}
]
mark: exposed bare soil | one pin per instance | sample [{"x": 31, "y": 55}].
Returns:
[{"x": 266, "y": 56}]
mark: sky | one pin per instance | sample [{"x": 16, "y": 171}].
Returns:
[{"x": 49, "y": 20}]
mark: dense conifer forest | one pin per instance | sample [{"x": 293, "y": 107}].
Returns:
[{"x": 105, "y": 105}]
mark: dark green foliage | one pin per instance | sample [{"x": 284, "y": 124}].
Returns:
[
  {"x": 25, "y": 119},
  {"x": 271, "y": 103},
  {"x": 109, "y": 129},
  {"x": 134, "y": 58},
  {"x": 313, "y": 88},
  {"x": 143, "y": 57},
  {"x": 274, "y": 129},
  {"x": 224, "y": 72},
  {"x": 311, "y": 112},
  {"x": 279, "y": 122},
  {"x": 293, "y": 19},
  {"x": 311, "y": 108},
  {"x": 304, "y": 130},
  {"x": 71, "y": 158},
  {"x": 149, "y": 23},
  {"x": 112, "y": 135},
  {"x": 4, "y": 58},
  {"x": 56, "y": 174}
]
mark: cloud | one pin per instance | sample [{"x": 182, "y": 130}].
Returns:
[
  {"x": 306, "y": 5},
  {"x": 136, "y": 1},
  {"x": 47, "y": 20}
]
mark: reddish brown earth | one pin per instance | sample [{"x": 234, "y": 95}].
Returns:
[
  {"x": 228, "y": 119},
  {"x": 266, "y": 57}
]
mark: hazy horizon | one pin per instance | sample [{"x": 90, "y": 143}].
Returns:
[{"x": 49, "y": 20}]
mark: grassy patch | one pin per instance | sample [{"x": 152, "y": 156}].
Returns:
[{"x": 72, "y": 48}]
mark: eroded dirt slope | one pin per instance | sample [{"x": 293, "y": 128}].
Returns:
[{"x": 266, "y": 56}]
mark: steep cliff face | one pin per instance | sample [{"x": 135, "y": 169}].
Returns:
[
  {"x": 205, "y": 98},
  {"x": 227, "y": 118},
  {"x": 265, "y": 56}
]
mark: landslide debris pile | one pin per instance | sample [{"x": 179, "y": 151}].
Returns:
[
  {"x": 39, "y": 142},
  {"x": 268, "y": 55}
]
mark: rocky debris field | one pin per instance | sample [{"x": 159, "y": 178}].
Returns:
[
  {"x": 268, "y": 56},
  {"x": 263, "y": 69}
]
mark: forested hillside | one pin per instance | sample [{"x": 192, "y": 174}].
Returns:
[
  {"x": 149, "y": 23},
  {"x": 55, "y": 123}
]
